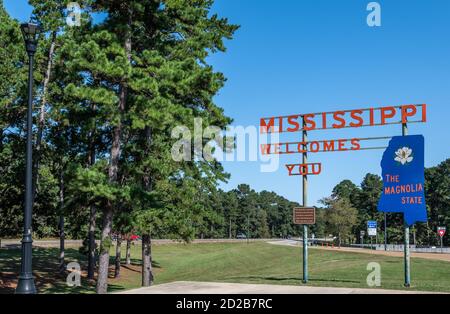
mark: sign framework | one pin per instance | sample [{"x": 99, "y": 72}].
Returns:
[{"x": 356, "y": 118}]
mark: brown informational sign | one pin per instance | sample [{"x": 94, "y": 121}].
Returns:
[{"x": 304, "y": 215}]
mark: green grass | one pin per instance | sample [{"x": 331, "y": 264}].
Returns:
[{"x": 243, "y": 263}]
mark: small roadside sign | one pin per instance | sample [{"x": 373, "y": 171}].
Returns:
[
  {"x": 442, "y": 231},
  {"x": 304, "y": 215},
  {"x": 372, "y": 228}
]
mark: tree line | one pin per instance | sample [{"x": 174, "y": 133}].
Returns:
[
  {"x": 108, "y": 94},
  {"x": 345, "y": 213}
]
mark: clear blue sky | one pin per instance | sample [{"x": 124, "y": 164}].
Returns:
[{"x": 301, "y": 56}]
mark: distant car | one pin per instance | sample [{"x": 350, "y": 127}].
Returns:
[
  {"x": 241, "y": 236},
  {"x": 134, "y": 237}
]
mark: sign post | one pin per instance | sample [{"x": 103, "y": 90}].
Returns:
[
  {"x": 385, "y": 231},
  {"x": 404, "y": 186},
  {"x": 305, "y": 203},
  {"x": 407, "y": 256},
  {"x": 361, "y": 236},
  {"x": 305, "y": 216},
  {"x": 441, "y": 232}
]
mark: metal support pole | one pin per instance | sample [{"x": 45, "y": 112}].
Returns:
[
  {"x": 248, "y": 228},
  {"x": 305, "y": 203},
  {"x": 62, "y": 265},
  {"x": 407, "y": 255},
  {"x": 26, "y": 280},
  {"x": 385, "y": 231}
]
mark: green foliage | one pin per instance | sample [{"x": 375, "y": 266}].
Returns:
[
  {"x": 365, "y": 200},
  {"x": 168, "y": 82},
  {"x": 106, "y": 245},
  {"x": 340, "y": 217}
]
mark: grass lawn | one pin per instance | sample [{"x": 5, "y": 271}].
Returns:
[{"x": 235, "y": 262}]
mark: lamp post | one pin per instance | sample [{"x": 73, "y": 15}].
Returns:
[{"x": 26, "y": 285}]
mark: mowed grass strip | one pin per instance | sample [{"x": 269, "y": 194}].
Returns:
[{"x": 259, "y": 263}]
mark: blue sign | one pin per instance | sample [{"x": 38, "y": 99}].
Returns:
[
  {"x": 372, "y": 228},
  {"x": 403, "y": 178}
]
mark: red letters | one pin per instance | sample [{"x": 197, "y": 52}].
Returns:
[
  {"x": 387, "y": 113},
  {"x": 338, "y": 116},
  {"x": 311, "y": 147},
  {"x": 342, "y": 145},
  {"x": 356, "y": 145},
  {"x": 267, "y": 127},
  {"x": 344, "y": 118},
  {"x": 424, "y": 113},
  {"x": 328, "y": 146},
  {"x": 293, "y": 121},
  {"x": 356, "y": 115},
  {"x": 408, "y": 111},
  {"x": 309, "y": 124},
  {"x": 305, "y": 169},
  {"x": 337, "y": 120}
]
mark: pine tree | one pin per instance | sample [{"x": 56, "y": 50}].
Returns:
[{"x": 12, "y": 116}]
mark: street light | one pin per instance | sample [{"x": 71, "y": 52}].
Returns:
[{"x": 30, "y": 32}]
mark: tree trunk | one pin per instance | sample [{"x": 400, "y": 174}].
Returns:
[
  {"x": 105, "y": 246},
  {"x": 91, "y": 252},
  {"x": 62, "y": 265},
  {"x": 147, "y": 272},
  {"x": 118, "y": 257},
  {"x": 103, "y": 267},
  {"x": 41, "y": 121},
  {"x": 93, "y": 209},
  {"x": 128, "y": 253}
]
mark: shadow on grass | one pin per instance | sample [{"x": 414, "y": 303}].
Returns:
[
  {"x": 137, "y": 262},
  {"x": 48, "y": 279},
  {"x": 294, "y": 279}
]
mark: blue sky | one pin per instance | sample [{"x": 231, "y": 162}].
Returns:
[{"x": 302, "y": 56}]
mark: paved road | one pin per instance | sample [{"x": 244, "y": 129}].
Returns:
[
  {"x": 433, "y": 256},
  {"x": 15, "y": 243},
  {"x": 187, "y": 287}
]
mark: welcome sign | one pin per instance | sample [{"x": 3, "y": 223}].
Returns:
[
  {"x": 403, "y": 178},
  {"x": 403, "y": 161}
]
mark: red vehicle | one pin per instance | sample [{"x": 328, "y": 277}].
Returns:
[{"x": 134, "y": 237}]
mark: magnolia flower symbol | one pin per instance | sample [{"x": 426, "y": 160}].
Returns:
[{"x": 404, "y": 155}]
